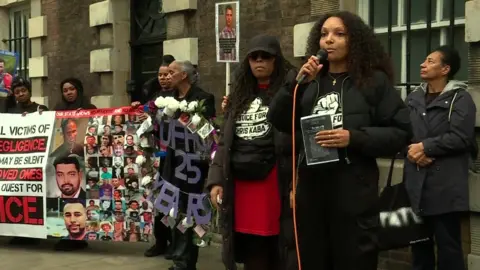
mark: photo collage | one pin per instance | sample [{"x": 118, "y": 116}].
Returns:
[{"x": 111, "y": 205}]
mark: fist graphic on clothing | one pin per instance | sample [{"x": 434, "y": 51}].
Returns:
[{"x": 328, "y": 104}]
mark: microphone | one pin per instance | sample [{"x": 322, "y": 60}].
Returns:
[{"x": 322, "y": 56}]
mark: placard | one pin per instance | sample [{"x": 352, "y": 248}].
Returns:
[
  {"x": 24, "y": 145},
  {"x": 227, "y": 29}
]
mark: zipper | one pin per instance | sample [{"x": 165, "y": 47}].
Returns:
[{"x": 347, "y": 160}]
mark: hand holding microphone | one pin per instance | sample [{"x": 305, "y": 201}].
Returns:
[{"x": 309, "y": 71}]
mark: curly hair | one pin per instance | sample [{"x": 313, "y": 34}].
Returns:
[
  {"x": 245, "y": 84},
  {"x": 365, "y": 52}
]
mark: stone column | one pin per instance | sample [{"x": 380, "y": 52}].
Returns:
[
  {"x": 472, "y": 35},
  {"x": 112, "y": 61},
  {"x": 179, "y": 43},
  {"x": 38, "y": 63}
]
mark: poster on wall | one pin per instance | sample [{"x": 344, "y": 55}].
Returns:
[
  {"x": 227, "y": 29},
  {"x": 8, "y": 69},
  {"x": 24, "y": 145},
  {"x": 95, "y": 190}
]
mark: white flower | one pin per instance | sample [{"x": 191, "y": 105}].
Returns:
[
  {"x": 196, "y": 119},
  {"x": 172, "y": 213},
  {"x": 172, "y": 103},
  {"x": 146, "y": 180},
  {"x": 168, "y": 112},
  {"x": 186, "y": 224},
  {"x": 160, "y": 102},
  {"x": 183, "y": 106},
  {"x": 140, "y": 160},
  {"x": 192, "y": 106}
]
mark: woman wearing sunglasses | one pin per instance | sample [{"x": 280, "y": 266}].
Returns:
[{"x": 244, "y": 179}]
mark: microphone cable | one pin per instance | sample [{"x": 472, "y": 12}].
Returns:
[{"x": 294, "y": 179}]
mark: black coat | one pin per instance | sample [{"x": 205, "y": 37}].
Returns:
[
  {"x": 376, "y": 118},
  {"x": 441, "y": 187}
]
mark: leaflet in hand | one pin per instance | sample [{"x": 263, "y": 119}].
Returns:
[{"x": 314, "y": 153}]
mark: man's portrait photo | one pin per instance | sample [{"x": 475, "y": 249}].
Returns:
[
  {"x": 75, "y": 217},
  {"x": 69, "y": 177},
  {"x": 227, "y": 29}
]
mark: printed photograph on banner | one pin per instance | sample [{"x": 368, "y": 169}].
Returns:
[
  {"x": 24, "y": 145},
  {"x": 227, "y": 29},
  {"x": 95, "y": 191},
  {"x": 8, "y": 70}
]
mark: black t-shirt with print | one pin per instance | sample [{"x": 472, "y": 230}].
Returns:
[
  {"x": 253, "y": 148},
  {"x": 329, "y": 100}
]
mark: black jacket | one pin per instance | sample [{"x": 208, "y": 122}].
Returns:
[
  {"x": 375, "y": 116},
  {"x": 7, "y": 103},
  {"x": 446, "y": 127},
  {"x": 32, "y": 107}
]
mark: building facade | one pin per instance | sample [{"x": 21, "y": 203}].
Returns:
[{"x": 113, "y": 46}]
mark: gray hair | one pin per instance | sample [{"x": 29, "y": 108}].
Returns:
[{"x": 187, "y": 67}]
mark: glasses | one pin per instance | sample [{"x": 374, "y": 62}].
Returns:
[{"x": 261, "y": 55}]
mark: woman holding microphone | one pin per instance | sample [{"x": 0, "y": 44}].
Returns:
[{"x": 335, "y": 200}]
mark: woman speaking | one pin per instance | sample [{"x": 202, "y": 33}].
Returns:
[{"x": 335, "y": 200}]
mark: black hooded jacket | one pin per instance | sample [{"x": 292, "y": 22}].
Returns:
[{"x": 80, "y": 103}]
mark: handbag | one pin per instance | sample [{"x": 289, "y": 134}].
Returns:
[{"x": 399, "y": 226}]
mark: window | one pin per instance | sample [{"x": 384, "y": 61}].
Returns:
[
  {"x": 18, "y": 38},
  {"x": 440, "y": 22}
]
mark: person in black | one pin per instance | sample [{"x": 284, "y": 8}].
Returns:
[
  {"x": 72, "y": 96},
  {"x": 336, "y": 201},
  {"x": 183, "y": 76},
  {"x": 436, "y": 169},
  {"x": 22, "y": 91},
  {"x": 253, "y": 162},
  {"x": 159, "y": 86}
]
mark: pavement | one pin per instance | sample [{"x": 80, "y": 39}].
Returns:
[{"x": 99, "y": 255}]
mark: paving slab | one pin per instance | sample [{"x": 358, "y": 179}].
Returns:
[{"x": 98, "y": 256}]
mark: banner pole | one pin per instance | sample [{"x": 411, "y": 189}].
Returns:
[{"x": 227, "y": 79}]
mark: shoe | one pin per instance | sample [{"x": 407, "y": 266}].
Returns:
[
  {"x": 154, "y": 251},
  {"x": 23, "y": 241},
  {"x": 70, "y": 245}
]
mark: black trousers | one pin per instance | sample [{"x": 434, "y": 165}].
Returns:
[
  {"x": 335, "y": 226},
  {"x": 185, "y": 251},
  {"x": 163, "y": 234},
  {"x": 446, "y": 234}
]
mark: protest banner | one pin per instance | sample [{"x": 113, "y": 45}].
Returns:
[
  {"x": 24, "y": 145},
  {"x": 95, "y": 190}
]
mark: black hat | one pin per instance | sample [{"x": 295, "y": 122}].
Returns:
[{"x": 264, "y": 43}]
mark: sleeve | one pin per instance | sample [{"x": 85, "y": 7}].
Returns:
[
  {"x": 43, "y": 107},
  {"x": 215, "y": 173},
  {"x": 281, "y": 106},
  {"x": 392, "y": 130},
  {"x": 460, "y": 136},
  {"x": 209, "y": 106}
]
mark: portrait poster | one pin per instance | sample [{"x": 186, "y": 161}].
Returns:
[
  {"x": 24, "y": 148},
  {"x": 227, "y": 29},
  {"x": 9, "y": 70},
  {"x": 94, "y": 188}
]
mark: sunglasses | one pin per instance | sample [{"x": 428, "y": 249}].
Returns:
[{"x": 261, "y": 55}]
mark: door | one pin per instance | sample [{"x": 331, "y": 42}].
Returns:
[{"x": 148, "y": 31}]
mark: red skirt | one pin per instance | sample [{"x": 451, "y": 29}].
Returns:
[{"x": 257, "y": 206}]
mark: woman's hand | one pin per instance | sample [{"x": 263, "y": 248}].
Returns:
[
  {"x": 216, "y": 196},
  {"x": 415, "y": 152},
  {"x": 335, "y": 138},
  {"x": 142, "y": 117},
  {"x": 224, "y": 103},
  {"x": 424, "y": 161},
  {"x": 310, "y": 70},
  {"x": 135, "y": 104}
]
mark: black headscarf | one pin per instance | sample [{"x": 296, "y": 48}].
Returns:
[{"x": 81, "y": 101}]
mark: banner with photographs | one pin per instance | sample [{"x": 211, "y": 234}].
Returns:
[
  {"x": 227, "y": 29},
  {"x": 8, "y": 70},
  {"x": 94, "y": 189},
  {"x": 24, "y": 145}
]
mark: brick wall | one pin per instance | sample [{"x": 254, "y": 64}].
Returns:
[
  {"x": 68, "y": 45},
  {"x": 256, "y": 17}
]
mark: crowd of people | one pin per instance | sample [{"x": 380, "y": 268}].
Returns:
[{"x": 250, "y": 177}]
